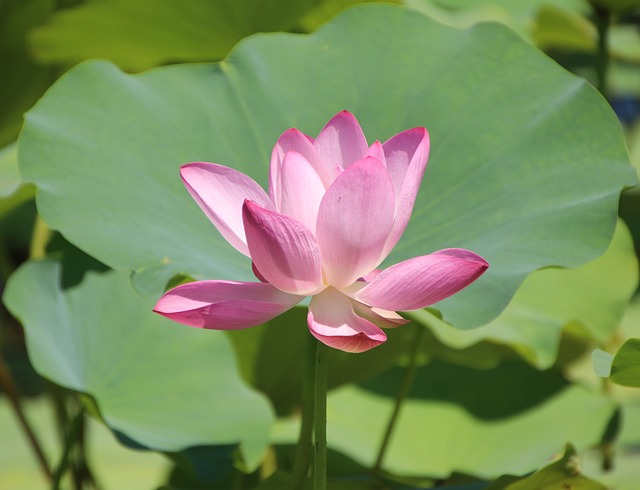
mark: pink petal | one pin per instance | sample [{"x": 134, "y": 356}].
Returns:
[
  {"x": 406, "y": 155},
  {"x": 296, "y": 141},
  {"x": 224, "y": 305},
  {"x": 220, "y": 192},
  {"x": 377, "y": 151},
  {"x": 423, "y": 281},
  {"x": 283, "y": 250},
  {"x": 333, "y": 322},
  {"x": 378, "y": 316},
  {"x": 341, "y": 142},
  {"x": 354, "y": 221},
  {"x": 301, "y": 190}
]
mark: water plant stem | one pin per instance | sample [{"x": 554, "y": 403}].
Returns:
[
  {"x": 71, "y": 439},
  {"x": 304, "y": 447},
  {"x": 320, "y": 417},
  {"x": 603, "y": 22},
  {"x": 10, "y": 390},
  {"x": 39, "y": 239},
  {"x": 401, "y": 395}
]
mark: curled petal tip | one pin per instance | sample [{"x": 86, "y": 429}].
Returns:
[
  {"x": 465, "y": 254},
  {"x": 422, "y": 281}
]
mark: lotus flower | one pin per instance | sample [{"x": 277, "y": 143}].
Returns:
[{"x": 335, "y": 209}]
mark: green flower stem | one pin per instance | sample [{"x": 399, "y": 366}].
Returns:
[
  {"x": 305, "y": 439},
  {"x": 603, "y": 22},
  {"x": 9, "y": 388},
  {"x": 58, "y": 400},
  {"x": 71, "y": 439},
  {"x": 320, "y": 418},
  {"x": 39, "y": 239},
  {"x": 6, "y": 265},
  {"x": 401, "y": 395}
]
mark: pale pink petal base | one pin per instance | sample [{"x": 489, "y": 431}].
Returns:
[
  {"x": 301, "y": 190},
  {"x": 332, "y": 321},
  {"x": 378, "y": 316},
  {"x": 296, "y": 141},
  {"x": 354, "y": 221},
  {"x": 224, "y": 305},
  {"x": 422, "y": 281}
]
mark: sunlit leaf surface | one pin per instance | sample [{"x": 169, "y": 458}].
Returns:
[
  {"x": 162, "y": 385},
  {"x": 526, "y": 165}
]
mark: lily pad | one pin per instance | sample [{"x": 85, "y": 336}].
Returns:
[
  {"x": 145, "y": 33},
  {"x": 591, "y": 300},
  {"x": 625, "y": 365},
  {"x": 277, "y": 367},
  {"x": 510, "y": 419},
  {"x": 561, "y": 474},
  {"x": 527, "y": 161},
  {"x": 163, "y": 386}
]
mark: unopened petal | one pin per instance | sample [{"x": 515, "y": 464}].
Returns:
[
  {"x": 224, "y": 305},
  {"x": 283, "y": 250},
  {"x": 301, "y": 190},
  {"x": 406, "y": 155},
  {"x": 423, "y": 281},
  {"x": 333, "y": 322},
  {"x": 220, "y": 192},
  {"x": 341, "y": 142},
  {"x": 378, "y": 316},
  {"x": 354, "y": 221},
  {"x": 291, "y": 140},
  {"x": 377, "y": 151}
]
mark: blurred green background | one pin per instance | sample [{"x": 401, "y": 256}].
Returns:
[{"x": 40, "y": 40}]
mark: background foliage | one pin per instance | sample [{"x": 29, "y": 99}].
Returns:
[{"x": 526, "y": 168}]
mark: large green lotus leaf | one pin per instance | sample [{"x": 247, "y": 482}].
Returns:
[
  {"x": 591, "y": 299},
  {"x": 526, "y": 166},
  {"x": 486, "y": 423},
  {"x": 625, "y": 365},
  {"x": 164, "y": 386},
  {"x": 277, "y": 368},
  {"x": 563, "y": 29},
  {"x": 624, "y": 474},
  {"x": 324, "y": 10},
  {"x": 145, "y": 33},
  {"x": 562, "y": 474},
  {"x": 520, "y": 16}
]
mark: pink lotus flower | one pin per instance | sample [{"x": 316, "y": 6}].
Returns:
[{"x": 336, "y": 207}]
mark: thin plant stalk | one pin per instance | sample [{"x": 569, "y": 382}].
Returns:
[
  {"x": 39, "y": 239},
  {"x": 6, "y": 379},
  {"x": 71, "y": 439},
  {"x": 320, "y": 418},
  {"x": 304, "y": 447},
  {"x": 9, "y": 387},
  {"x": 401, "y": 395},
  {"x": 58, "y": 399},
  {"x": 603, "y": 22}
]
